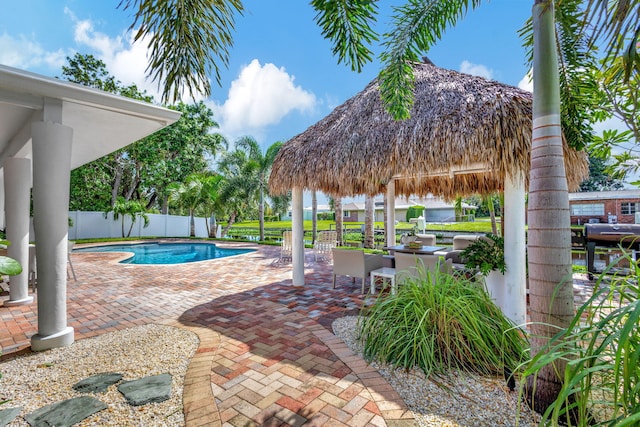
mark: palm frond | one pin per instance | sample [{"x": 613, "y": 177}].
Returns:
[{"x": 348, "y": 24}]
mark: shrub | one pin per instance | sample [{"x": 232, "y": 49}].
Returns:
[
  {"x": 440, "y": 322},
  {"x": 414, "y": 212},
  {"x": 486, "y": 254},
  {"x": 602, "y": 345}
]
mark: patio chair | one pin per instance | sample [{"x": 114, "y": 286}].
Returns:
[
  {"x": 325, "y": 241},
  {"x": 354, "y": 263},
  {"x": 286, "y": 248},
  {"x": 413, "y": 265},
  {"x": 460, "y": 243},
  {"x": 426, "y": 239}
]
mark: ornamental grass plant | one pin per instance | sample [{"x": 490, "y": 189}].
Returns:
[
  {"x": 601, "y": 384},
  {"x": 441, "y": 323}
]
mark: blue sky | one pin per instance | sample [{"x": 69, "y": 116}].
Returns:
[{"x": 282, "y": 76}]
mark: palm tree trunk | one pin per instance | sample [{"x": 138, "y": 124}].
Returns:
[
  {"x": 337, "y": 202},
  {"x": 314, "y": 216},
  {"x": 261, "y": 214},
  {"x": 212, "y": 227},
  {"x": 192, "y": 223},
  {"x": 492, "y": 214},
  {"x": 549, "y": 237},
  {"x": 368, "y": 223},
  {"x": 232, "y": 220}
]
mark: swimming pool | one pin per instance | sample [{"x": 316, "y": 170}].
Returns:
[{"x": 167, "y": 253}]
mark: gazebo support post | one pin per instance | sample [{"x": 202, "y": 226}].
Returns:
[
  {"x": 297, "y": 236},
  {"x": 51, "y": 177},
  {"x": 391, "y": 213},
  {"x": 17, "y": 186},
  {"x": 514, "y": 298}
]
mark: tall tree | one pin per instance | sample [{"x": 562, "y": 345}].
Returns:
[
  {"x": 191, "y": 194},
  {"x": 314, "y": 216},
  {"x": 143, "y": 170},
  {"x": 369, "y": 213},
  {"x": 263, "y": 163},
  {"x": 601, "y": 177}
]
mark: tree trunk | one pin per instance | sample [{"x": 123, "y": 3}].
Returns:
[
  {"x": 337, "y": 202},
  {"x": 116, "y": 183},
  {"x": 133, "y": 221},
  {"x": 492, "y": 214},
  {"x": 212, "y": 226},
  {"x": 261, "y": 214},
  {"x": 314, "y": 216},
  {"x": 549, "y": 236},
  {"x": 192, "y": 223},
  {"x": 165, "y": 205},
  {"x": 232, "y": 220},
  {"x": 368, "y": 242}
]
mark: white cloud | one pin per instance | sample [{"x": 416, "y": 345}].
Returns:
[
  {"x": 259, "y": 97},
  {"x": 125, "y": 60},
  {"x": 475, "y": 69},
  {"x": 24, "y": 53},
  {"x": 526, "y": 83}
]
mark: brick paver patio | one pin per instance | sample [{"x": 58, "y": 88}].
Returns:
[{"x": 267, "y": 355}]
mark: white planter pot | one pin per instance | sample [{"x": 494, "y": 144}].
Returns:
[{"x": 494, "y": 284}]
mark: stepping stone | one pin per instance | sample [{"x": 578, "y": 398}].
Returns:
[
  {"x": 65, "y": 413},
  {"x": 8, "y": 415},
  {"x": 156, "y": 388},
  {"x": 98, "y": 383}
]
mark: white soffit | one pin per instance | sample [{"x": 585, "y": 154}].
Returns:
[{"x": 102, "y": 122}]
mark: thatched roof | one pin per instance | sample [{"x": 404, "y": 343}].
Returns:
[{"x": 458, "y": 123}]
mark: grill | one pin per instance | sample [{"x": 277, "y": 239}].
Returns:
[{"x": 626, "y": 236}]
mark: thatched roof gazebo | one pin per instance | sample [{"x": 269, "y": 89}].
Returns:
[{"x": 466, "y": 135}]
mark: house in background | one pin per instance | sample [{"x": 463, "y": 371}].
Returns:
[
  {"x": 307, "y": 212},
  {"x": 618, "y": 206},
  {"x": 435, "y": 209}
]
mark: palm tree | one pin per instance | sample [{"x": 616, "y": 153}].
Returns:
[
  {"x": 237, "y": 189},
  {"x": 314, "y": 216},
  {"x": 194, "y": 192},
  {"x": 132, "y": 208},
  {"x": 369, "y": 213},
  {"x": 263, "y": 163}
]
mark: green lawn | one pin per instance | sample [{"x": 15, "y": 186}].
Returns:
[{"x": 481, "y": 225}]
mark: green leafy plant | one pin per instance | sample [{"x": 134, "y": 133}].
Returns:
[
  {"x": 8, "y": 266},
  {"x": 485, "y": 254},
  {"x": 601, "y": 384},
  {"x": 438, "y": 322}
]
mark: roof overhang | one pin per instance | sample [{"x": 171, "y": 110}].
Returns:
[{"x": 102, "y": 122}]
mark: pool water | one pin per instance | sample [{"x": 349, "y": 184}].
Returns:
[{"x": 167, "y": 253}]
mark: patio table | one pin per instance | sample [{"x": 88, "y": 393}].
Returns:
[{"x": 423, "y": 250}]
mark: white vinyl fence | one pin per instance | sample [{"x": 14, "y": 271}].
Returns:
[{"x": 88, "y": 225}]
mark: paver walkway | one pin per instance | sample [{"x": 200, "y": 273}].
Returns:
[{"x": 266, "y": 356}]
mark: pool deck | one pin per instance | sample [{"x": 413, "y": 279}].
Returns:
[{"x": 266, "y": 356}]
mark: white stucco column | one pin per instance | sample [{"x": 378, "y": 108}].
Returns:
[
  {"x": 514, "y": 299},
  {"x": 51, "y": 178},
  {"x": 297, "y": 236},
  {"x": 17, "y": 194},
  {"x": 391, "y": 213}
]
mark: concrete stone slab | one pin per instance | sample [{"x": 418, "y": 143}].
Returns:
[
  {"x": 98, "y": 383},
  {"x": 8, "y": 415},
  {"x": 156, "y": 388},
  {"x": 65, "y": 413}
]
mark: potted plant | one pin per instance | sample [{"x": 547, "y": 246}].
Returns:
[{"x": 486, "y": 255}]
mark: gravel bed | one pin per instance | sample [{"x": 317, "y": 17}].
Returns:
[
  {"x": 473, "y": 401},
  {"x": 38, "y": 379}
]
